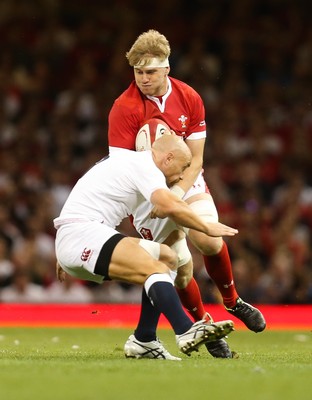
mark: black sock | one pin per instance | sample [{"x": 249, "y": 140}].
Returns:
[
  {"x": 165, "y": 298},
  {"x": 149, "y": 316}
]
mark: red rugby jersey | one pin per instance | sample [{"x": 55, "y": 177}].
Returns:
[{"x": 181, "y": 108}]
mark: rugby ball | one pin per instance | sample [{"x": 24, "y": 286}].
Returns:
[{"x": 152, "y": 130}]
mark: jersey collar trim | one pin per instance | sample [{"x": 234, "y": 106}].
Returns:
[{"x": 162, "y": 105}]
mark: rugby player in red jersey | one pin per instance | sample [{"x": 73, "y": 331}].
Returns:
[{"x": 153, "y": 94}]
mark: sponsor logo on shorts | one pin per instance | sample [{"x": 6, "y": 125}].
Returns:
[{"x": 86, "y": 254}]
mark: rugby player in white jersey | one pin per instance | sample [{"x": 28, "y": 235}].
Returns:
[{"x": 89, "y": 247}]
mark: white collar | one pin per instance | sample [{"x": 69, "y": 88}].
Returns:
[{"x": 161, "y": 104}]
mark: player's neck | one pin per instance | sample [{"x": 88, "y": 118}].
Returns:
[{"x": 161, "y": 92}]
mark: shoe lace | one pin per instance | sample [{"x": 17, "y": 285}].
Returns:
[
  {"x": 158, "y": 351},
  {"x": 244, "y": 308}
]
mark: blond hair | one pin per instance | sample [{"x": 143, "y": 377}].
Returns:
[{"x": 148, "y": 45}]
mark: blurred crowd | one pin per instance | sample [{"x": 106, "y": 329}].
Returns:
[{"x": 62, "y": 64}]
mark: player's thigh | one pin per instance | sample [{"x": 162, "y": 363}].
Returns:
[
  {"x": 206, "y": 209},
  {"x": 168, "y": 257},
  {"x": 131, "y": 263},
  {"x": 161, "y": 252}
]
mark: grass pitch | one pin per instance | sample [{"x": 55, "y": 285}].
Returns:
[{"x": 89, "y": 364}]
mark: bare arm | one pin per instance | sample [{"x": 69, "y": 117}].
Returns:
[
  {"x": 192, "y": 172},
  {"x": 167, "y": 204}
]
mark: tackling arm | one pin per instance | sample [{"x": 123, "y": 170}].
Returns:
[
  {"x": 191, "y": 173},
  {"x": 167, "y": 204}
]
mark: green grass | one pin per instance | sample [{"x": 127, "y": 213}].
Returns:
[{"x": 89, "y": 364}]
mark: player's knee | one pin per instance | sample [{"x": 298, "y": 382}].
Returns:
[
  {"x": 163, "y": 253},
  {"x": 184, "y": 275},
  {"x": 205, "y": 244},
  {"x": 168, "y": 257},
  {"x": 182, "y": 281},
  {"x": 184, "y": 255},
  {"x": 157, "y": 267}
]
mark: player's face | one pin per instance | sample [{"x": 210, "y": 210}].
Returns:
[{"x": 152, "y": 81}]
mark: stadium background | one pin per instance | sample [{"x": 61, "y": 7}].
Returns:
[{"x": 62, "y": 64}]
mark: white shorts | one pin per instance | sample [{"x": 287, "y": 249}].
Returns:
[
  {"x": 152, "y": 229},
  {"x": 159, "y": 229},
  {"x": 199, "y": 186},
  {"x": 79, "y": 245}
]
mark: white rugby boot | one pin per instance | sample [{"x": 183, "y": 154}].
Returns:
[
  {"x": 154, "y": 349},
  {"x": 202, "y": 332}
]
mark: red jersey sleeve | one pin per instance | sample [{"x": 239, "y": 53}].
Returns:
[
  {"x": 189, "y": 101},
  {"x": 198, "y": 123},
  {"x": 124, "y": 120}
]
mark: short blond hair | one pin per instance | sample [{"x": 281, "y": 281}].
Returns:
[{"x": 148, "y": 45}]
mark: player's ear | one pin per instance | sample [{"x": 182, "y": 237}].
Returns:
[{"x": 169, "y": 158}]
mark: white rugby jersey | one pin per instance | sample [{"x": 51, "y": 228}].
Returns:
[{"x": 113, "y": 188}]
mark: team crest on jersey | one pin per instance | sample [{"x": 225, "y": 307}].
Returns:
[{"x": 183, "y": 120}]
